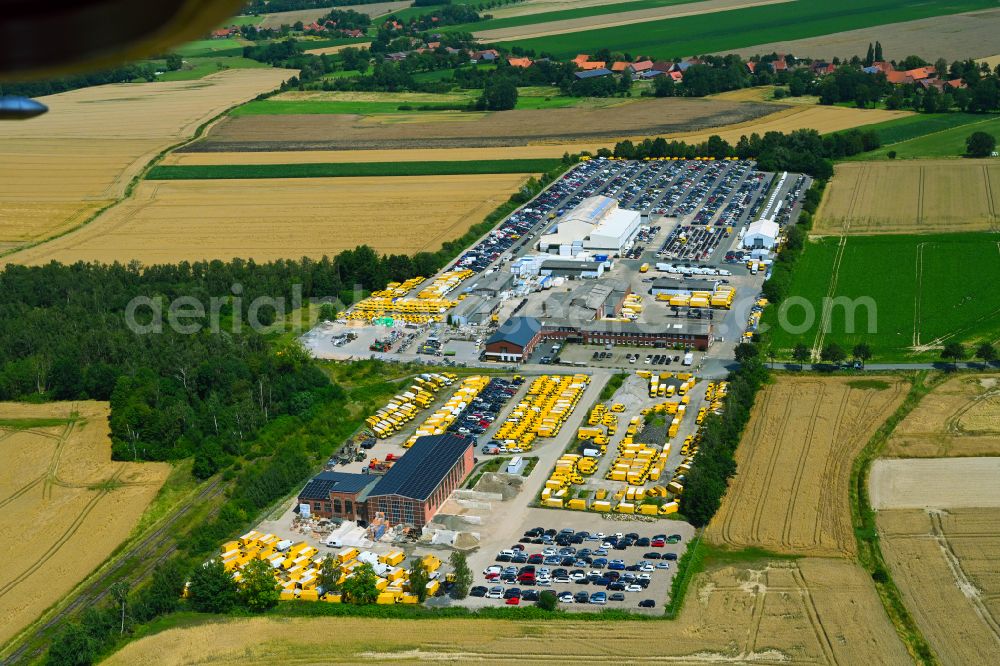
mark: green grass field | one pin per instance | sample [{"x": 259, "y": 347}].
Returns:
[
  {"x": 706, "y": 33},
  {"x": 529, "y": 98},
  {"x": 231, "y": 46},
  {"x": 947, "y": 294},
  {"x": 196, "y": 68},
  {"x": 245, "y": 20},
  {"x": 339, "y": 41},
  {"x": 948, "y": 141},
  {"x": 564, "y": 14},
  {"x": 347, "y": 169}
]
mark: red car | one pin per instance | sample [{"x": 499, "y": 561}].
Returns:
[
  {"x": 658, "y": 543},
  {"x": 514, "y": 601}
]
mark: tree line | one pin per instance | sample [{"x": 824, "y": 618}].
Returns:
[{"x": 800, "y": 151}]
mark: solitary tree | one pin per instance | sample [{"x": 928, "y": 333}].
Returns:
[
  {"x": 832, "y": 353},
  {"x": 986, "y": 353},
  {"x": 862, "y": 352},
  {"x": 329, "y": 575},
  {"x": 212, "y": 589},
  {"x": 174, "y": 62},
  {"x": 258, "y": 587},
  {"x": 954, "y": 352},
  {"x": 327, "y": 311},
  {"x": 359, "y": 588},
  {"x": 801, "y": 353},
  {"x": 119, "y": 592},
  {"x": 463, "y": 574},
  {"x": 419, "y": 577},
  {"x": 547, "y": 600},
  {"x": 980, "y": 144}
]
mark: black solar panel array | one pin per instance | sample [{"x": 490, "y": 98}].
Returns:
[{"x": 422, "y": 468}]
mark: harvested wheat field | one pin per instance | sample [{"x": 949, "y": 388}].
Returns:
[
  {"x": 64, "y": 505},
  {"x": 960, "y": 417},
  {"x": 816, "y": 611},
  {"x": 529, "y": 7},
  {"x": 947, "y": 566},
  {"x": 954, "y": 37},
  {"x": 940, "y": 483},
  {"x": 60, "y": 168},
  {"x": 790, "y": 492},
  {"x": 330, "y": 50},
  {"x": 263, "y": 219},
  {"x": 502, "y": 128},
  {"x": 911, "y": 197},
  {"x": 762, "y": 94},
  {"x": 625, "y": 17},
  {"x": 277, "y": 19}
]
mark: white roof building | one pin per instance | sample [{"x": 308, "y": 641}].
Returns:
[
  {"x": 761, "y": 234},
  {"x": 596, "y": 224}
]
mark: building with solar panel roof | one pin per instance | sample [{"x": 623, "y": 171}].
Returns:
[
  {"x": 410, "y": 492},
  {"x": 416, "y": 486}
]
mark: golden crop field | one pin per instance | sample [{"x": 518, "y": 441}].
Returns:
[
  {"x": 946, "y": 565},
  {"x": 814, "y": 610},
  {"x": 624, "y": 17},
  {"x": 790, "y": 492},
  {"x": 64, "y": 505},
  {"x": 911, "y": 197},
  {"x": 960, "y": 417},
  {"x": 263, "y": 219},
  {"x": 762, "y": 94},
  {"x": 60, "y": 168}
]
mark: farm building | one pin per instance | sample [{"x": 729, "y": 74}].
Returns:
[
  {"x": 597, "y": 224},
  {"x": 410, "y": 492},
  {"x": 514, "y": 340},
  {"x": 762, "y": 234},
  {"x": 678, "y": 287},
  {"x": 413, "y": 489},
  {"x": 336, "y": 495}
]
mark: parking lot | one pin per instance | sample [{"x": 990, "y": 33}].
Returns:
[{"x": 589, "y": 562}]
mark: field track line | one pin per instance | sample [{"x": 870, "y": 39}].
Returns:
[
  {"x": 758, "y": 511},
  {"x": 756, "y": 617},
  {"x": 60, "y": 541},
  {"x": 20, "y": 491},
  {"x": 754, "y": 438},
  {"x": 825, "y": 644},
  {"x": 994, "y": 222},
  {"x": 965, "y": 586},
  {"x": 917, "y": 293},
  {"x": 827, "y": 306},
  {"x": 920, "y": 197},
  {"x": 786, "y": 530},
  {"x": 830, "y": 467},
  {"x": 53, "y": 469}
]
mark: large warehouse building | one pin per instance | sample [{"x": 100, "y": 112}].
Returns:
[
  {"x": 597, "y": 224},
  {"x": 410, "y": 492}
]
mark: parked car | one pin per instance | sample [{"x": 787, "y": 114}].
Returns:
[
  {"x": 478, "y": 591},
  {"x": 647, "y": 603}
]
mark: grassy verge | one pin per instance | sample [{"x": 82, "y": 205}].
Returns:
[
  {"x": 26, "y": 424},
  {"x": 866, "y": 531},
  {"x": 349, "y": 169},
  {"x": 612, "y": 386}
]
